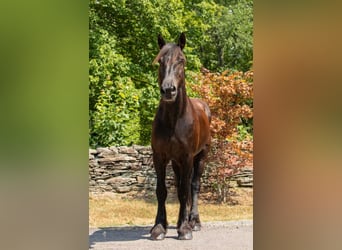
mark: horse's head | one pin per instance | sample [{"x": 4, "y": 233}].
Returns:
[{"x": 171, "y": 68}]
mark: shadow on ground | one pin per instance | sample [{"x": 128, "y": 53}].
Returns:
[{"x": 122, "y": 233}]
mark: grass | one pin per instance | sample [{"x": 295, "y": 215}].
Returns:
[{"x": 107, "y": 211}]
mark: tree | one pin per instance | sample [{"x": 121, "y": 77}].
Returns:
[
  {"x": 227, "y": 37},
  {"x": 123, "y": 89}
]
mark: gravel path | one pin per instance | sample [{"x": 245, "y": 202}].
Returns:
[{"x": 233, "y": 235}]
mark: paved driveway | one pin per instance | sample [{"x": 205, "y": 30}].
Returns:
[{"x": 233, "y": 235}]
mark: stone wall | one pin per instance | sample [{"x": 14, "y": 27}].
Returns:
[{"x": 130, "y": 170}]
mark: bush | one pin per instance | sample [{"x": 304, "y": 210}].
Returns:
[{"x": 230, "y": 98}]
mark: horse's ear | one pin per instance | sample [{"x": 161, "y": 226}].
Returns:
[
  {"x": 161, "y": 41},
  {"x": 182, "y": 40}
]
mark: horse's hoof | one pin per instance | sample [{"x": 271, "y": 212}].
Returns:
[
  {"x": 197, "y": 227},
  {"x": 158, "y": 232},
  {"x": 158, "y": 237},
  {"x": 186, "y": 236}
]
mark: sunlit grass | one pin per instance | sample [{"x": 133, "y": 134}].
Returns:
[{"x": 108, "y": 211}]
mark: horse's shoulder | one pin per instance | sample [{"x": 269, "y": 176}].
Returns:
[
  {"x": 201, "y": 106},
  {"x": 199, "y": 103}
]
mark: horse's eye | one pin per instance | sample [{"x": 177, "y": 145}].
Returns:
[{"x": 180, "y": 61}]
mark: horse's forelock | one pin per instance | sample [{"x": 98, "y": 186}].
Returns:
[{"x": 164, "y": 51}]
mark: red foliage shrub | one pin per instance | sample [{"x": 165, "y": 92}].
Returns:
[{"x": 230, "y": 98}]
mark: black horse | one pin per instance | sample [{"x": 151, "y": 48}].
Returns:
[{"x": 181, "y": 134}]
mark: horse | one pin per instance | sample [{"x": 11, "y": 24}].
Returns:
[{"x": 180, "y": 134}]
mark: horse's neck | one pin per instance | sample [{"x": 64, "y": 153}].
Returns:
[{"x": 173, "y": 111}]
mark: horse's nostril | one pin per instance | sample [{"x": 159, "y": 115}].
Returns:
[{"x": 168, "y": 90}]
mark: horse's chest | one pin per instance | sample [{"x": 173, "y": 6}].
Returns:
[
  {"x": 168, "y": 140},
  {"x": 175, "y": 147},
  {"x": 175, "y": 140}
]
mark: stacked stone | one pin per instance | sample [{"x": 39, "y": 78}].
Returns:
[
  {"x": 130, "y": 169},
  {"x": 244, "y": 178},
  {"x": 123, "y": 169}
]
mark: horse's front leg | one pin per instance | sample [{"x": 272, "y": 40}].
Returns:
[
  {"x": 159, "y": 230},
  {"x": 184, "y": 195}
]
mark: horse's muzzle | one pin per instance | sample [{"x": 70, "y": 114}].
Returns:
[{"x": 169, "y": 94}]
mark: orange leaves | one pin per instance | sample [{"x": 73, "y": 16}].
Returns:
[{"x": 230, "y": 98}]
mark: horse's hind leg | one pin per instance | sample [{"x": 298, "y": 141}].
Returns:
[
  {"x": 158, "y": 231},
  {"x": 199, "y": 165}
]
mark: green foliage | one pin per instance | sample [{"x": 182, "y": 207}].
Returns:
[
  {"x": 123, "y": 90},
  {"x": 227, "y": 40},
  {"x": 148, "y": 106},
  {"x": 244, "y": 132},
  {"x": 113, "y": 98}
]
